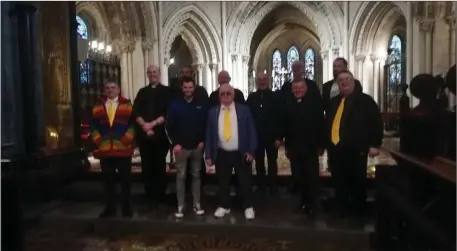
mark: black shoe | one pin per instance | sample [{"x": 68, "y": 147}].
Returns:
[
  {"x": 108, "y": 212},
  {"x": 127, "y": 211}
]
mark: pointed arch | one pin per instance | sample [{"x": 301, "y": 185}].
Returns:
[
  {"x": 310, "y": 63},
  {"x": 196, "y": 22},
  {"x": 293, "y": 54}
]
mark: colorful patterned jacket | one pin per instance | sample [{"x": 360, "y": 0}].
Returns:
[{"x": 116, "y": 140}]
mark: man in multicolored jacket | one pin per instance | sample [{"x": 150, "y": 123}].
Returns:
[{"x": 112, "y": 133}]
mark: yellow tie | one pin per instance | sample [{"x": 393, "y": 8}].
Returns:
[
  {"x": 111, "y": 113},
  {"x": 336, "y": 123},
  {"x": 227, "y": 130}
]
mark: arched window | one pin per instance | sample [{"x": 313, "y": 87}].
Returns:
[
  {"x": 292, "y": 56},
  {"x": 83, "y": 66},
  {"x": 82, "y": 28},
  {"x": 309, "y": 63},
  {"x": 276, "y": 69},
  {"x": 395, "y": 61}
]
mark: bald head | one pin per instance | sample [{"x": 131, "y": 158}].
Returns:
[
  {"x": 262, "y": 81},
  {"x": 298, "y": 69},
  {"x": 153, "y": 73},
  {"x": 223, "y": 77},
  {"x": 226, "y": 94}
]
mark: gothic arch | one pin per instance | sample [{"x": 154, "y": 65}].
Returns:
[
  {"x": 196, "y": 51},
  {"x": 93, "y": 15},
  {"x": 150, "y": 19},
  {"x": 196, "y": 22},
  {"x": 323, "y": 15},
  {"x": 374, "y": 22}
]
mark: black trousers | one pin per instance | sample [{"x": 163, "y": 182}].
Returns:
[
  {"x": 225, "y": 162},
  {"x": 153, "y": 169},
  {"x": 272, "y": 161},
  {"x": 349, "y": 174},
  {"x": 305, "y": 166},
  {"x": 123, "y": 167}
]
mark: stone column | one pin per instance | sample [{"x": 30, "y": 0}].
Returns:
[
  {"x": 409, "y": 43},
  {"x": 451, "y": 22},
  {"x": 234, "y": 71},
  {"x": 161, "y": 53},
  {"x": 224, "y": 34},
  {"x": 131, "y": 48},
  {"x": 346, "y": 30},
  {"x": 164, "y": 70},
  {"x": 426, "y": 27},
  {"x": 324, "y": 55},
  {"x": 360, "y": 59},
  {"x": 124, "y": 72},
  {"x": 147, "y": 47},
  {"x": 207, "y": 78},
  {"x": 375, "y": 83},
  {"x": 200, "y": 74},
  {"x": 244, "y": 74},
  {"x": 335, "y": 55}
]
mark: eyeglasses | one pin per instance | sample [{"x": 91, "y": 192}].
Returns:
[{"x": 225, "y": 94}]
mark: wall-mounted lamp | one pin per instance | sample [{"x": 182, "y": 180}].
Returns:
[{"x": 172, "y": 60}]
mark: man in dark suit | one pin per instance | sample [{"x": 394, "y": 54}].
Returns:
[
  {"x": 303, "y": 130},
  {"x": 231, "y": 143},
  {"x": 330, "y": 89},
  {"x": 224, "y": 78},
  {"x": 298, "y": 72},
  {"x": 149, "y": 110},
  {"x": 264, "y": 107},
  {"x": 200, "y": 92},
  {"x": 354, "y": 132}
]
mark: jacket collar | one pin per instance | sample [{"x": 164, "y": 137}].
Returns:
[{"x": 120, "y": 99}]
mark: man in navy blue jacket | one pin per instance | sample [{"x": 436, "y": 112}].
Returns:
[
  {"x": 185, "y": 126},
  {"x": 231, "y": 141}
]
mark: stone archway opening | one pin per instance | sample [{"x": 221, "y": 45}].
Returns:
[
  {"x": 180, "y": 56},
  {"x": 284, "y": 35}
]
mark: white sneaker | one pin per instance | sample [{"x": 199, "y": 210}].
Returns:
[
  {"x": 221, "y": 212},
  {"x": 198, "y": 210},
  {"x": 249, "y": 213},
  {"x": 179, "y": 214}
]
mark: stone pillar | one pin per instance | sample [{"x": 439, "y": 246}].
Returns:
[
  {"x": 346, "y": 30},
  {"x": 375, "y": 84},
  {"x": 164, "y": 70},
  {"x": 426, "y": 27},
  {"x": 124, "y": 73},
  {"x": 161, "y": 53},
  {"x": 324, "y": 55},
  {"x": 451, "y": 22},
  {"x": 214, "y": 71},
  {"x": 409, "y": 43},
  {"x": 224, "y": 34},
  {"x": 360, "y": 59},
  {"x": 147, "y": 47},
  {"x": 234, "y": 70},
  {"x": 207, "y": 78},
  {"x": 244, "y": 74},
  {"x": 200, "y": 74},
  {"x": 335, "y": 55}
]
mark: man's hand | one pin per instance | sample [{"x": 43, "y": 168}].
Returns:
[
  {"x": 160, "y": 120},
  {"x": 249, "y": 157},
  {"x": 209, "y": 162},
  {"x": 277, "y": 143},
  {"x": 320, "y": 151},
  {"x": 373, "y": 152},
  {"x": 177, "y": 149},
  {"x": 147, "y": 127},
  {"x": 200, "y": 146},
  {"x": 150, "y": 133}
]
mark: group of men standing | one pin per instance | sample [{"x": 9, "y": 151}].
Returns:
[{"x": 224, "y": 130}]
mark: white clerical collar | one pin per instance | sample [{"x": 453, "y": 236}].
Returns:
[{"x": 231, "y": 106}]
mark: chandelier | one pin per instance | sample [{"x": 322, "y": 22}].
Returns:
[{"x": 98, "y": 52}]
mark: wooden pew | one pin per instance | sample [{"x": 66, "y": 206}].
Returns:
[{"x": 415, "y": 203}]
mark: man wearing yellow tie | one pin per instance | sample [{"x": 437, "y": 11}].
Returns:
[
  {"x": 230, "y": 142},
  {"x": 112, "y": 132},
  {"x": 354, "y": 132}
]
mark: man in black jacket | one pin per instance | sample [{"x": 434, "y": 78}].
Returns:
[
  {"x": 298, "y": 72},
  {"x": 149, "y": 110},
  {"x": 224, "y": 78},
  {"x": 354, "y": 132},
  {"x": 330, "y": 89},
  {"x": 200, "y": 92},
  {"x": 264, "y": 105},
  {"x": 303, "y": 130}
]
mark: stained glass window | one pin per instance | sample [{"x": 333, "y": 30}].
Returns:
[
  {"x": 277, "y": 64},
  {"x": 292, "y": 56},
  {"x": 82, "y": 28},
  {"x": 395, "y": 61},
  {"x": 309, "y": 63},
  {"x": 84, "y": 72}
]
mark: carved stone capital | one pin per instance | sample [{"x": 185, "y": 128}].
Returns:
[
  {"x": 374, "y": 57},
  {"x": 166, "y": 61},
  {"x": 451, "y": 22},
  {"x": 245, "y": 59},
  {"x": 360, "y": 58},
  {"x": 324, "y": 55},
  {"x": 426, "y": 25},
  {"x": 212, "y": 66},
  {"x": 336, "y": 52},
  {"x": 147, "y": 45},
  {"x": 234, "y": 58},
  {"x": 198, "y": 67}
]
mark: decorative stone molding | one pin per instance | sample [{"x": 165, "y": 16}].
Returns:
[
  {"x": 324, "y": 55},
  {"x": 451, "y": 22},
  {"x": 245, "y": 60},
  {"x": 374, "y": 58},
  {"x": 147, "y": 45},
  {"x": 166, "y": 61},
  {"x": 212, "y": 66},
  {"x": 198, "y": 67},
  {"x": 360, "y": 58},
  {"x": 426, "y": 25},
  {"x": 234, "y": 58},
  {"x": 336, "y": 52}
]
